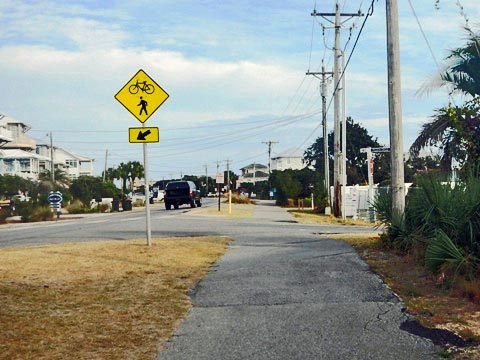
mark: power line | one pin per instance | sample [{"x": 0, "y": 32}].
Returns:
[{"x": 369, "y": 13}]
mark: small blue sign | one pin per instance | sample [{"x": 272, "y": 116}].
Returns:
[{"x": 55, "y": 197}]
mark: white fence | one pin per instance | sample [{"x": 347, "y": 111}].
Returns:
[{"x": 357, "y": 205}]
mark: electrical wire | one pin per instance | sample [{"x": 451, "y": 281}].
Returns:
[{"x": 369, "y": 13}]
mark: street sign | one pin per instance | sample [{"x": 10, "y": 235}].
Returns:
[
  {"x": 220, "y": 179},
  {"x": 143, "y": 135},
  {"x": 380, "y": 150},
  {"x": 141, "y": 96},
  {"x": 55, "y": 197}
]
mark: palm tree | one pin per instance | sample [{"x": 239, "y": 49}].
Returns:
[
  {"x": 453, "y": 128},
  {"x": 441, "y": 132},
  {"x": 463, "y": 75},
  {"x": 136, "y": 171},
  {"x": 61, "y": 177},
  {"x": 122, "y": 173},
  {"x": 111, "y": 174}
]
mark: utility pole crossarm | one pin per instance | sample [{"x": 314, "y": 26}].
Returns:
[
  {"x": 337, "y": 76},
  {"x": 319, "y": 73},
  {"x": 315, "y": 13}
]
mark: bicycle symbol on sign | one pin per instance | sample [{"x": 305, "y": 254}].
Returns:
[{"x": 148, "y": 88}]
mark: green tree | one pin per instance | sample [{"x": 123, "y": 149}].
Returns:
[
  {"x": 455, "y": 130},
  {"x": 421, "y": 165},
  {"x": 463, "y": 73},
  {"x": 61, "y": 177},
  {"x": 136, "y": 171},
  {"x": 86, "y": 188},
  {"x": 122, "y": 173},
  {"x": 288, "y": 187},
  {"x": 111, "y": 174},
  {"x": 12, "y": 184},
  {"x": 357, "y": 172}
]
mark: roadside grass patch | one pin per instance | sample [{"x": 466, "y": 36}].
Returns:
[
  {"x": 309, "y": 217},
  {"x": 240, "y": 199},
  {"x": 239, "y": 211},
  {"x": 98, "y": 300},
  {"x": 432, "y": 304}
]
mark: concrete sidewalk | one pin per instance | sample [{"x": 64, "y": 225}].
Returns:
[{"x": 282, "y": 293}]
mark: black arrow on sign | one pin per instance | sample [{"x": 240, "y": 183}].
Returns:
[{"x": 141, "y": 136}]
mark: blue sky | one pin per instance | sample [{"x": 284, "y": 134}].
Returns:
[{"x": 234, "y": 70}]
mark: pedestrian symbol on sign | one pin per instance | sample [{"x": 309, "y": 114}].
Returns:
[{"x": 143, "y": 104}]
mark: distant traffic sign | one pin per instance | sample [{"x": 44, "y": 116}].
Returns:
[
  {"x": 380, "y": 149},
  {"x": 55, "y": 197},
  {"x": 219, "y": 178},
  {"x": 143, "y": 135},
  {"x": 141, "y": 96}
]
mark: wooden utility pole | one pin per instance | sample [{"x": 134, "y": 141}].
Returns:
[
  {"x": 395, "y": 109},
  {"x": 105, "y": 167},
  {"x": 343, "y": 164},
  {"x": 337, "y": 74},
  {"x": 52, "y": 160},
  {"x": 269, "y": 143},
  {"x": 206, "y": 180},
  {"x": 326, "y": 162}
]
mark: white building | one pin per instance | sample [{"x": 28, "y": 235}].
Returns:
[
  {"x": 21, "y": 163},
  {"x": 21, "y": 155},
  {"x": 288, "y": 159},
  {"x": 254, "y": 173},
  {"x": 72, "y": 164}
]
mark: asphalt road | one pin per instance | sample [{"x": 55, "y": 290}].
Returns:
[{"x": 282, "y": 291}]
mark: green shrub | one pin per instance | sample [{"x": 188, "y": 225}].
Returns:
[
  {"x": 24, "y": 209},
  {"x": 41, "y": 213},
  {"x": 441, "y": 217},
  {"x": 4, "y": 214},
  {"x": 139, "y": 203},
  {"x": 77, "y": 207},
  {"x": 30, "y": 212},
  {"x": 307, "y": 203}
]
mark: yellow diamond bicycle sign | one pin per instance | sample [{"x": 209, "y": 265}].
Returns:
[{"x": 141, "y": 96}]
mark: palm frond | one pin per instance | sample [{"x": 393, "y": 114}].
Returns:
[
  {"x": 442, "y": 250},
  {"x": 431, "y": 133}
]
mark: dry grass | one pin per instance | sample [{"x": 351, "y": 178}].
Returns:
[
  {"x": 308, "y": 217},
  {"x": 98, "y": 300},
  {"x": 433, "y": 305},
  {"x": 239, "y": 211},
  {"x": 240, "y": 199}
]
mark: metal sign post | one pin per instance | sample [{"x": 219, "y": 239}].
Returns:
[
  {"x": 369, "y": 151},
  {"x": 219, "y": 180},
  {"x": 147, "y": 196},
  {"x": 142, "y": 96}
]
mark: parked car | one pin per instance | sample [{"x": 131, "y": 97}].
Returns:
[
  {"x": 156, "y": 196},
  {"x": 181, "y": 193}
]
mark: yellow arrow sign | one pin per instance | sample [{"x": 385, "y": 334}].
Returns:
[
  {"x": 143, "y": 134},
  {"x": 141, "y": 96}
]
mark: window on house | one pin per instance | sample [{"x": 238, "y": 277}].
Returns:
[{"x": 72, "y": 163}]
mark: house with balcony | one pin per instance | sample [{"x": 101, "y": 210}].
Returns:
[
  {"x": 288, "y": 159},
  {"x": 74, "y": 165},
  {"x": 26, "y": 157},
  {"x": 253, "y": 173}
]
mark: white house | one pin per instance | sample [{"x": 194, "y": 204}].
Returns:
[
  {"x": 24, "y": 156},
  {"x": 288, "y": 159},
  {"x": 21, "y": 163},
  {"x": 72, "y": 164},
  {"x": 253, "y": 173}
]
